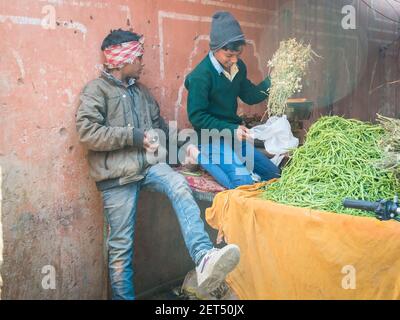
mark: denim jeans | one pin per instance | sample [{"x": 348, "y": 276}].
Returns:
[
  {"x": 120, "y": 212},
  {"x": 229, "y": 167}
]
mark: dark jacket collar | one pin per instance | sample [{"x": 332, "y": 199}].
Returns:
[{"x": 116, "y": 81}]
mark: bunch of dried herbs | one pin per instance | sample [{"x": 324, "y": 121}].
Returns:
[
  {"x": 288, "y": 67},
  {"x": 390, "y": 145}
]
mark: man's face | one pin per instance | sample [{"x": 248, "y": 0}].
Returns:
[
  {"x": 134, "y": 69},
  {"x": 227, "y": 58}
]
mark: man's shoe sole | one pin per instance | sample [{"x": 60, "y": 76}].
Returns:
[{"x": 226, "y": 263}]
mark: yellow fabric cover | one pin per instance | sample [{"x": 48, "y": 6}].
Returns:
[{"x": 297, "y": 253}]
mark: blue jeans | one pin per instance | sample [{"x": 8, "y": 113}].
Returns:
[
  {"x": 120, "y": 212},
  {"x": 228, "y": 166}
]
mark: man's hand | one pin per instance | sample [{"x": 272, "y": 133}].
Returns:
[
  {"x": 242, "y": 133},
  {"x": 150, "y": 143}
]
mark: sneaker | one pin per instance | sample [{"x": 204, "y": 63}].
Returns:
[{"x": 215, "y": 265}]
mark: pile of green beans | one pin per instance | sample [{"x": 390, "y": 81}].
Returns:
[{"x": 336, "y": 162}]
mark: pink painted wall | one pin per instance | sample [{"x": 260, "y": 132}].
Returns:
[{"x": 51, "y": 211}]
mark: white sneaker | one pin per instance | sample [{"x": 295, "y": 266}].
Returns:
[{"x": 215, "y": 265}]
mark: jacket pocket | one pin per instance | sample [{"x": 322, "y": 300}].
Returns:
[
  {"x": 123, "y": 162},
  {"x": 115, "y": 111}
]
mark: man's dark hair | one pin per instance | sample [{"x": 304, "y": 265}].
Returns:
[
  {"x": 234, "y": 46},
  {"x": 119, "y": 36}
]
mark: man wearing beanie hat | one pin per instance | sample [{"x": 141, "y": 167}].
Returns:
[
  {"x": 114, "y": 119},
  {"x": 213, "y": 89}
]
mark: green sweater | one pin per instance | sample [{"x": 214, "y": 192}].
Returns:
[{"x": 212, "y": 98}]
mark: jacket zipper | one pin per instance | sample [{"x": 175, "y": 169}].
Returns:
[
  {"x": 105, "y": 161},
  {"x": 125, "y": 93},
  {"x": 140, "y": 152},
  {"x": 140, "y": 155}
]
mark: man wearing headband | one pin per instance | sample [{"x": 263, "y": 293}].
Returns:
[
  {"x": 113, "y": 119},
  {"x": 213, "y": 89}
]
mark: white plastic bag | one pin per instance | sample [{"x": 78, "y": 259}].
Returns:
[{"x": 277, "y": 136}]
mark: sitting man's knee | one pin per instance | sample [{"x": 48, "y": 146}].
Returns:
[
  {"x": 179, "y": 183},
  {"x": 241, "y": 180}
]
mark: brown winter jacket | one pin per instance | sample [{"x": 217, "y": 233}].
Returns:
[{"x": 111, "y": 121}]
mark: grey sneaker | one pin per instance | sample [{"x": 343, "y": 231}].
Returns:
[{"x": 215, "y": 265}]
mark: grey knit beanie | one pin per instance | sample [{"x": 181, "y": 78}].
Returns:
[{"x": 224, "y": 29}]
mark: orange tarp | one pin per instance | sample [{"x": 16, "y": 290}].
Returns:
[{"x": 297, "y": 253}]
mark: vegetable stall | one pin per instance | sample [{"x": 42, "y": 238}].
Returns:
[{"x": 301, "y": 236}]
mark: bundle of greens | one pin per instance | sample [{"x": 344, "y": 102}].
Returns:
[
  {"x": 390, "y": 145},
  {"x": 336, "y": 162},
  {"x": 289, "y": 65}
]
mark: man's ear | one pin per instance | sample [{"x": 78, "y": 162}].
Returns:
[{"x": 216, "y": 53}]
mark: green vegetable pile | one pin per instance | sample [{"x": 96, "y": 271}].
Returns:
[{"x": 337, "y": 161}]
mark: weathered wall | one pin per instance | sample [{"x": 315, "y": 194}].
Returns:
[
  {"x": 373, "y": 93},
  {"x": 51, "y": 210},
  {"x": 351, "y": 66}
]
